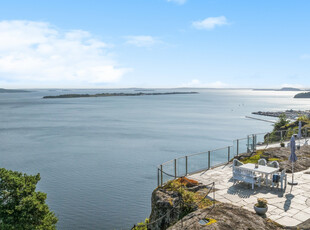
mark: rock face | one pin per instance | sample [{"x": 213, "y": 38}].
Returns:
[
  {"x": 227, "y": 217},
  {"x": 162, "y": 203},
  {"x": 302, "y": 163}
]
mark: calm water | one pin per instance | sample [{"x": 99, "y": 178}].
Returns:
[{"x": 97, "y": 156}]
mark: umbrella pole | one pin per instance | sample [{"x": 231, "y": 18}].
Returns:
[{"x": 292, "y": 183}]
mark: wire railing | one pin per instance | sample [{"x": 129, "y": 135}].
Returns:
[{"x": 202, "y": 161}]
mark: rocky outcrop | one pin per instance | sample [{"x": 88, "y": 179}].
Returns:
[
  {"x": 166, "y": 209},
  {"x": 302, "y": 163},
  {"x": 227, "y": 217}
]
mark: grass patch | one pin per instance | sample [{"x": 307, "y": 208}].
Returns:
[
  {"x": 142, "y": 225},
  {"x": 259, "y": 154},
  {"x": 190, "y": 199},
  {"x": 253, "y": 159},
  {"x": 274, "y": 159}
]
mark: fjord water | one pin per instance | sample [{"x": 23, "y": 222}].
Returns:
[{"x": 97, "y": 156}]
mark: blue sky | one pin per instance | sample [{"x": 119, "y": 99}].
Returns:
[{"x": 154, "y": 43}]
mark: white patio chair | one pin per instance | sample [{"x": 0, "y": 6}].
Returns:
[
  {"x": 274, "y": 164},
  {"x": 262, "y": 162},
  {"x": 283, "y": 177},
  {"x": 237, "y": 163}
]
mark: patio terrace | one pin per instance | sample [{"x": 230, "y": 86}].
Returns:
[{"x": 289, "y": 207}]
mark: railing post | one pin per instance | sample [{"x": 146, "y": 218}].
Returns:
[
  {"x": 237, "y": 147},
  {"x": 209, "y": 153},
  {"x": 228, "y": 153},
  {"x": 281, "y": 136},
  {"x": 248, "y": 144},
  {"x": 175, "y": 168},
  {"x": 157, "y": 177},
  {"x": 186, "y": 165},
  {"x": 161, "y": 175},
  {"x": 253, "y": 141}
]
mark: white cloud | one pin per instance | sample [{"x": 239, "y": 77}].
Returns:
[
  {"x": 180, "y": 2},
  {"x": 210, "y": 23},
  {"x": 142, "y": 41},
  {"x": 305, "y": 56},
  {"x": 196, "y": 83},
  {"x": 37, "y": 53}
]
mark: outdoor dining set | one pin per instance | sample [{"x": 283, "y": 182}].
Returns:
[
  {"x": 260, "y": 173},
  {"x": 266, "y": 173}
]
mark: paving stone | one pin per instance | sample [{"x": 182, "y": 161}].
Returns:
[
  {"x": 302, "y": 216},
  {"x": 274, "y": 217},
  {"x": 303, "y": 202},
  {"x": 286, "y": 214},
  {"x": 276, "y": 211},
  {"x": 307, "y": 210},
  {"x": 298, "y": 206},
  {"x": 292, "y": 211},
  {"x": 288, "y": 221},
  {"x": 271, "y": 207}
]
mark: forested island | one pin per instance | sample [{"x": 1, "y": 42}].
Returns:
[
  {"x": 115, "y": 94},
  {"x": 302, "y": 95}
]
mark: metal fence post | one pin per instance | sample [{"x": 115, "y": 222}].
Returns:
[
  {"x": 157, "y": 177},
  {"x": 253, "y": 141},
  {"x": 161, "y": 175},
  {"x": 209, "y": 153},
  {"x": 228, "y": 153},
  {"x": 248, "y": 144},
  {"x": 175, "y": 168},
  {"x": 186, "y": 165},
  {"x": 237, "y": 147}
]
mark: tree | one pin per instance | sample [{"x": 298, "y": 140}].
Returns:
[
  {"x": 21, "y": 207},
  {"x": 281, "y": 122}
]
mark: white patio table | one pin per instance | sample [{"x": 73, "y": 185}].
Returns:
[{"x": 261, "y": 169}]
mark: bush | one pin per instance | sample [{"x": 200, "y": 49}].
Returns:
[
  {"x": 21, "y": 207},
  {"x": 281, "y": 122}
]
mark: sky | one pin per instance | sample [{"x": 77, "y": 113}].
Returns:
[{"x": 154, "y": 43}]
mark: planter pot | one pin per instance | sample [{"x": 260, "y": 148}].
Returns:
[{"x": 260, "y": 211}]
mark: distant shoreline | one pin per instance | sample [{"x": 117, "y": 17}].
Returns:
[
  {"x": 114, "y": 95},
  {"x": 291, "y": 114},
  {"x": 13, "y": 91}
]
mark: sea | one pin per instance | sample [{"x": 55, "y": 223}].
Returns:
[{"x": 98, "y": 156}]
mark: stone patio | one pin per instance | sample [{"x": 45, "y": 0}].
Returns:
[{"x": 289, "y": 207}]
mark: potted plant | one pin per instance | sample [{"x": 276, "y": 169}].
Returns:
[{"x": 261, "y": 206}]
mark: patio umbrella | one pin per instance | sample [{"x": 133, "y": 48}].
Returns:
[{"x": 293, "y": 158}]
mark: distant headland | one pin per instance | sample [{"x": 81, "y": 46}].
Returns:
[
  {"x": 114, "y": 94},
  {"x": 282, "y": 89},
  {"x": 13, "y": 91},
  {"x": 302, "y": 95}
]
